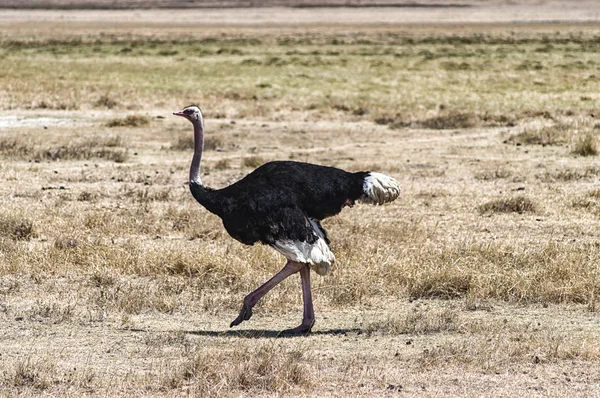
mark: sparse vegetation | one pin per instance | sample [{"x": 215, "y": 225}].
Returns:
[
  {"x": 106, "y": 102},
  {"x": 83, "y": 150},
  {"x": 418, "y": 322},
  {"x": 183, "y": 143},
  {"x": 14, "y": 148},
  {"x": 482, "y": 279},
  {"x": 549, "y": 135},
  {"x": 16, "y": 227},
  {"x": 86, "y": 196},
  {"x": 493, "y": 352},
  {"x": 222, "y": 164},
  {"x": 586, "y": 146},
  {"x": 110, "y": 148},
  {"x": 491, "y": 175},
  {"x": 450, "y": 120},
  {"x": 32, "y": 373},
  {"x": 213, "y": 143},
  {"x": 252, "y": 161},
  {"x": 130, "y": 121},
  {"x": 516, "y": 204},
  {"x": 269, "y": 367},
  {"x": 186, "y": 143},
  {"x": 570, "y": 174}
]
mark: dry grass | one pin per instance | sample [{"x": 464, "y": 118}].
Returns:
[
  {"x": 50, "y": 312},
  {"x": 481, "y": 279},
  {"x": 84, "y": 150},
  {"x": 32, "y": 373},
  {"x": 36, "y": 375},
  {"x": 183, "y": 143},
  {"x": 222, "y": 164},
  {"x": 186, "y": 143},
  {"x": 269, "y": 367},
  {"x": 418, "y": 322},
  {"x": 14, "y": 148},
  {"x": 253, "y": 161},
  {"x": 491, "y": 175},
  {"x": 450, "y": 120},
  {"x": 129, "y": 121},
  {"x": 516, "y": 204},
  {"x": 570, "y": 174},
  {"x": 578, "y": 132},
  {"x": 16, "y": 227},
  {"x": 586, "y": 146},
  {"x": 548, "y": 135},
  {"x": 495, "y": 352},
  {"x": 106, "y": 102},
  {"x": 101, "y": 147}
]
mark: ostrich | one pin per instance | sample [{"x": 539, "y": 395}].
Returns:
[{"x": 281, "y": 204}]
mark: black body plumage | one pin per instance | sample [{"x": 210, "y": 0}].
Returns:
[{"x": 276, "y": 200}]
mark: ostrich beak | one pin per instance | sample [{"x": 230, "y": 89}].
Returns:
[{"x": 178, "y": 113}]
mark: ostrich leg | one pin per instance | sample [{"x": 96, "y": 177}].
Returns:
[
  {"x": 308, "y": 319},
  {"x": 250, "y": 300}
]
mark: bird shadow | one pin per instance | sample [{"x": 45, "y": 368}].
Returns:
[{"x": 261, "y": 333}]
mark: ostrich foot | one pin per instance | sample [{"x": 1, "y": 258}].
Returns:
[
  {"x": 245, "y": 314},
  {"x": 250, "y": 300},
  {"x": 304, "y": 328}
]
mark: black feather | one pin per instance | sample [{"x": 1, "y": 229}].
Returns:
[{"x": 276, "y": 201}]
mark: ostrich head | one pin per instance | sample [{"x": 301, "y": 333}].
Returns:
[{"x": 191, "y": 113}]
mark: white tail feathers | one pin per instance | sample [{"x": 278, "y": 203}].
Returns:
[
  {"x": 318, "y": 254},
  {"x": 379, "y": 189}
]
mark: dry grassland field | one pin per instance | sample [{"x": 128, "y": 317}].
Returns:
[{"x": 482, "y": 279}]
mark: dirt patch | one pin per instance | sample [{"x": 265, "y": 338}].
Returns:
[{"x": 12, "y": 121}]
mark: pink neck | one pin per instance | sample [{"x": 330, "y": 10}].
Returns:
[{"x": 198, "y": 147}]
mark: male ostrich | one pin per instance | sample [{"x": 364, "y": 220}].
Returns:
[{"x": 281, "y": 204}]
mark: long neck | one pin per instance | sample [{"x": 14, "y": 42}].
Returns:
[
  {"x": 207, "y": 197},
  {"x": 198, "y": 148}
]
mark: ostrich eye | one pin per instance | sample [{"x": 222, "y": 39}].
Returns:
[{"x": 187, "y": 111}]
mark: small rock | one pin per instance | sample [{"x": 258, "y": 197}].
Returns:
[
  {"x": 394, "y": 387},
  {"x": 536, "y": 388}
]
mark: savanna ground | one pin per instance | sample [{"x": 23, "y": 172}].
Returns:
[{"x": 482, "y": 279}]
